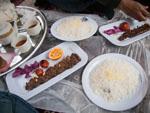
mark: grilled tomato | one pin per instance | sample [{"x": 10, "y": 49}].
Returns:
[
  {"x": 124, "y": 26},
  {"x": 44, "y": 63},
  {"x": 39, "y": 72}
]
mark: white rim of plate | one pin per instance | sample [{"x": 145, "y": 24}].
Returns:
[
  {"x": 69, "y": 48},
  {"x": 122, "y": 105},
  {"x": 55, "y": 34},
  {"x": 126, "y": 41}
]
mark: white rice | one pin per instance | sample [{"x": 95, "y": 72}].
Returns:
[
  {"x": 73, "y": 27},
  {"x": 114, "y": 80}
]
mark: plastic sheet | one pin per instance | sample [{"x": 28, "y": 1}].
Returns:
[{"x": 70, "y": 92}]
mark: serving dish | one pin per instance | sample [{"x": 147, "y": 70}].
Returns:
[
  {"x": 125, "y": 104},
  {"x": 114, "y": 37},
  {"x": 75, "y": 22},
  {"x": 17, "y": 85},
  {"x": 35, "y": 40}
]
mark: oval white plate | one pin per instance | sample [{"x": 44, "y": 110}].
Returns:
[
  {"x": 114, "y": 38},
  {"x": 17, "y": 85},
  {"x": 121, "y": 105},
  {"x": 55, "y": 33}
]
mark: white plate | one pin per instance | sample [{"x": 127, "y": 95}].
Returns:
[
  {"x": 114, "y": 38},
  {"x": 93, "y": 24},
  {"x": 123, "y": 104},
  {"x": 17, "y": 85}
]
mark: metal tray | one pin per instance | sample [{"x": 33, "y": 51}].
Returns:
[{"x": 36, "y": 42}]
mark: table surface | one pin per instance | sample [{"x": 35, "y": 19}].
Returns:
[{"x": 67, "y": 95}]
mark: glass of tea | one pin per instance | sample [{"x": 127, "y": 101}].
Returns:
[
  {"x": 33, "y": 27},
  {"x": 22, "y": 43}
]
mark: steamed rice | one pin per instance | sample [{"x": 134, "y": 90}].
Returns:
[
  {"x": 73, "y": 27},
  {"x": 114, "y": 80}
]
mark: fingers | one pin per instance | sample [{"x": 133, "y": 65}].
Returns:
[
  {"x": 146, "y": 7},
  {"x": 140, "y": 16},
  {"x": 144, "y": 11},
  {"x": 134, "y": 9}
]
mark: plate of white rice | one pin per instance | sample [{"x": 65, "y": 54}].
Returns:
[
  {"x": 74, "y": 28},
  {"x": 114, "y": 82}
]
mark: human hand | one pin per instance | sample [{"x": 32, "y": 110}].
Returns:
[{"x": 134, "y": 9}]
